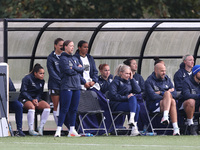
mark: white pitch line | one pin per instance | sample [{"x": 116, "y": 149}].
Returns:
[{"x": 122, "y": 145}]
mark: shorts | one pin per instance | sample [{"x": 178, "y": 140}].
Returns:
[
  {"x": 197, "y": 105},
  {"x": 155, "y": 106},
  {"x": 54, "y": 92},
  {"x": 23, "y": 101}
]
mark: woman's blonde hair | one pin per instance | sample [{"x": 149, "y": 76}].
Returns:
[{"x": 121, "y": 68}]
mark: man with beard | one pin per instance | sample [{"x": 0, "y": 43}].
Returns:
[
  {"x": 160, "y": 96},
  {"x": 191, "y": 97}
]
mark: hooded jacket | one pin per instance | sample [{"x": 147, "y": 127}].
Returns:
[
  {"x": 31, "y": 88},
  {"x": 152, "y": 85},
  {"x": 119, "y": 90},
  {"x": 93, "y": 70},
  {"x": 70, "y": 72},
  {"x": 179, "y": 77},
  {"x": 54, "y": 71},
  {"x": 191, "y": 89},
  {"x": 104, "y": 84}
]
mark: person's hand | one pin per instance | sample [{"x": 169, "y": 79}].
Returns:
[
  {"x": 91, "y": 83},
  {"x": 87, "y": 85},
  {"x": 171, "y": 90},
  {"x": 80, "y": 65},
  {"x": 131, "y": 75},
  {"x": 131, "y": 94},
  {"x": 35, "y": 102},
  {"x": 158, "y": 92}
]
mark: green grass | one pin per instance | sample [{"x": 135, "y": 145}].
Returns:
[{"x": 101, "y": 143}]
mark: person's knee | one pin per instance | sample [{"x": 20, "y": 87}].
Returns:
[
  {"x": 189, "y": 103},
  {"x": 173, "y": 103}
]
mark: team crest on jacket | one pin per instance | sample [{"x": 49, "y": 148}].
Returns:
[
  {"x": 56, "y": 63},
  {"x": 110, "y": 80},
  {"x": 33, "y": 84},
  {"x": 166, "y": 86},
  {"x": 156, "y": 88},
  {"x": 184, "y": 75},
  {"x": 70, "y": 63},
  {"x": 194, "y": 91},
  {"x": 121, "y": 83},
  {"x": 40, "y": 84}
]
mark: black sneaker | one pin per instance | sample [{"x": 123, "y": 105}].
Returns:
[
  {"x": 19, "y": 133},
  {"x": 192, "y": 130}
]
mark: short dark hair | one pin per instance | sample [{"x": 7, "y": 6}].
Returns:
[
  {"x": 80, "y": 43},
  {"x": 128, "y": 61},
  {"x": 57, "y": 41}
]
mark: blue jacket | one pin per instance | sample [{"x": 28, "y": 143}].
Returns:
[
  {"x": 119, "y": 90},
  {"x": 11, "y": 85},
  {"x": 191, "y": 89},
  {"x": 104, "y": 84},
  {"x": 54, "y": 72},
  {"x": 93, "y": 70},
  {"x": 179, "y": 77},
  {"x": 139, "y": 79},
  {"x": 31, "y": 88},
  {"x": 152, "y": 85},
  {"x": 70, "y": 78}
]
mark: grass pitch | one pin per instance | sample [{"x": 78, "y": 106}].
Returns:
[{"x": 101, "y": 143}]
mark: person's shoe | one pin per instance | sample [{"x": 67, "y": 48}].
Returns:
[
  {"x": 58, "y": 133},
  {"x": 19, "y": 133},
  {"x": 73, "y": 134},
  {"x": 135, "y": 132},
  {"x": 192, "y": 130},
  {"x": 131, "y": 122},
  {"x": 176, "y": 132},
  {"x": 33, "y": 133},
  {"x": 40, "y": 131},
  {"x": 164, "y": 121}
]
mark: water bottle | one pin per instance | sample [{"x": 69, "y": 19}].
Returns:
[
  {"x": 87, "y": 134},
  {"x": 151, "y": 134}
]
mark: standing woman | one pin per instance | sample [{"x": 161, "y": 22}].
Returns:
[
  {"x": 121, "y": 93},
  {"x": 54, "y": 75},
  {"x": 30, "y": 95},
  {"x": 70, "y": 70}
]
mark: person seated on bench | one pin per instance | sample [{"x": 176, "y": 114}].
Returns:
[
  {"x": 17, "y": 107},
  {"x": 160, "y": 95},
  {"x": 105, "y": 78},
  {"x": 191, "y": 97},
  {"x": 121, "y": 94},
  {"x": 30, "y": 95}
]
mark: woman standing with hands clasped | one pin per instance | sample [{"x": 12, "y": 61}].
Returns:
[
  {"x": 121, "y": 93},
  {"x": 70, "y": 70},
  {"x": 30, "y": 95}
]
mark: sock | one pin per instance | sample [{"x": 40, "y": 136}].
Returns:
[
  {"x": 72, "y": 128},
  {"x": 44, "y": 117},
  {"x": 55, "y": 117},
  {"x": 175, "y": 125},
  {"x": 190, "y": 121},
  {"x": 30, "y": 118},
  {"x": 166, "y": 114},
  {"x": 59, "y": 129},
  {"x": 135, "y": 127},
  {"x": 132, "y": 115}
]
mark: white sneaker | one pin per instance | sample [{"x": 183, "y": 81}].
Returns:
[
  {"x": 176, "y": 131},
  {"x": 135, "y": 132},
  {"x": 40, "y": 131},
  {"x": 58, "y": 133},
  {"x": 164, "y": 121},
  {"x": 33, "y": 133},
  {"x": 131, "y": 122},
  {"x": 73, "y": 134}
]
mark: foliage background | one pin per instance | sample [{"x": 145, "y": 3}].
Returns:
[{"x": 99, "y": 9}]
